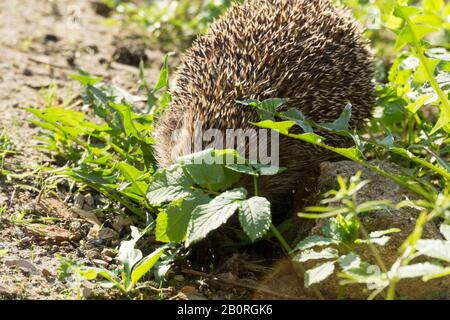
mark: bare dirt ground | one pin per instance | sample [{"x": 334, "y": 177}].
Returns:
[{"x": 42, "y": 43}]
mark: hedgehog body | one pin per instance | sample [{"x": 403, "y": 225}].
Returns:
[{"x": 306, "y": 51}]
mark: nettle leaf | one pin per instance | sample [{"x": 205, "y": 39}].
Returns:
[
  {"x": 208, "y": 217},
  {"x": 438, "y": 249},
  {"x": 172, "y": 176},
  {"x": 378, "y": 237},
  {"x": 172, "y": 224},
  {"x": 166, "y": 194},
  {"x": 169, "y": 185},
  {"x": 319, "y": 273},
  {"x": 445, "y": 230},
  {"x": 297, "y": 116},
  {"x": 418, "y": 270},
  {"x": 341, "y": 124},
  {"x": 349, "y": 261},
  {"x": 255, "y": 217},
  {"x": 266, "y": 109},
  {"x": 208, "y": 168},
  {"x": 314, "y": 241},
  {"x": 256, "y": 169},
  {"x": 381, "y": 241},
  {"x": 282, "y": 127},
  {"x": 310, "y": 254}
]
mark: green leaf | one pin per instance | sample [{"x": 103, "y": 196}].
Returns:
[
  {"x": 381, "y": 241},
  {"x": 314, "y": 241},
  {"x": 318, "y": 273},
  {"x": 172, "y": 176},
  {"x": 255, "y": 217},
  {"x": 266, "y": 109},
  {"x": 445, "y": 230},
  {"x": 163, "y": 81},
  {"x": 296, "y": 115},
  {"x": 132, "y": 175},
  {"x": 418, "y": 270},
  {"x": 438, "y": 249},
  {"x": 349, "y": 261},
  {"x": 172, "y": 224},
  {"x": 310, "y": 254},
  {"x": 207, "y": 168},
  {"x": 166, "y": 194},
  {"x": 282, "y": 127},
  {"x": 86, "y": 79},
  {"x": 421, "y": 74},
  {"x": 208, "y": 217},
  {"x": 377, "y": 234},
  {"x": 145, "y": 265},
  {"x": 341, "y": 124},
  {"x": 433, "y": 5}
]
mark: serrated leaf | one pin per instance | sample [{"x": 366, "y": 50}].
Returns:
[
  {"x": 381, "y": 241},
  {"x": 311, "y": 254},
  {"x": 418, "y": 270},
  {"x": 208, "y": 217},
  {"x": 438, "y": 249},
  {"x": 314, "y": 241},
  {"x": 445, "y": 230},
  {"x": 341, "y": 124},
  {"x": 255, "y": 217},
  {"x": 297, "y": 116},
  {"x": 166, "y": 194},
  {"x": 282, "y": 127},
  {"x": 349, "y": 261},
  {"x": 318, "y": 273},
  {"x": 172, "y": 224}
]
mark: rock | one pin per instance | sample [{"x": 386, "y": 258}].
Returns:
[
  {"x": 109, "y": 253},
  {"x": 56, "y": 233},
  {"x": 190, "y": 293},
  {"x": 27, "y": 72},
  {"x": 120, "y": 222},
  {"x": 179, "y": 278},
  {"x": 107, "y": 234},
  {"x": 101, "y": 8},
  {"x": 87, "y": 293},
  {"x": 22, "y": 264},
  {"x": 100, "y": 262},
  {"x": 130, "y": 54},
  {"x": 51, "y": 38}
]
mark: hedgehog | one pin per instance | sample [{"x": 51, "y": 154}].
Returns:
[{"x": 309, "y": 52}]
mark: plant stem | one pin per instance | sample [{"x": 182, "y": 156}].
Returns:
[
  {"x": 391, "y": 290},
  {"x": 280, "y": 238},
  {"x": 287, "y": 247}
]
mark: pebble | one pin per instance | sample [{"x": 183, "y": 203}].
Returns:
[{"x": 179, "y": 278}]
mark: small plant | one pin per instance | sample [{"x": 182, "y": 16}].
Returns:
[
  {"x": 342, "y": 233},
  {"x": 135, "y": 266},
  {"x": 75, "y": 274},
  {"x": 6, "y": 149}
]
